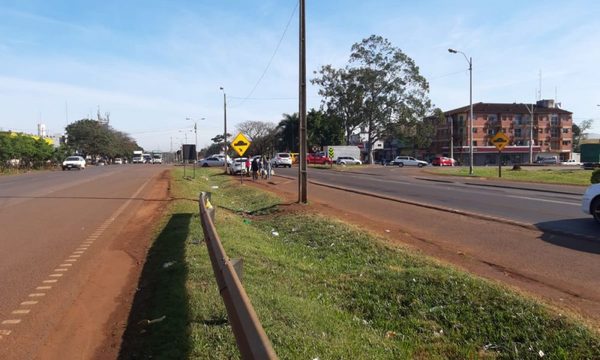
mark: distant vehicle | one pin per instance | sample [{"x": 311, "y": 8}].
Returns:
[
  {"x": 338, "y": 151},
  {"x": 237, "y": 166},
  {"x": 282, "y": 159},
  {"x": 73, "y": 162},
  {"x": 138, "y": 157},
  {"x": 571, "y": 162},
  {"x": 156, "y": 158},
  {"x": 118, "y": 161},
  {"x": 590, "y": 204},
  {"x": 348, "y": 160},
  {"x": 147, "y": 158},
  {"x": 443, "y": 161},
  {"x": 213, "y": 160},
  {"x": 318, "y": 158},
  {"x": 549, "y": 160},
  {"x": 101, "y": 162},
  {"x": 402, "y": 161}
]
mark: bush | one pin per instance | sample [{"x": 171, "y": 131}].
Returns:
[
  {"x": 595, "y": 177},
  {"x": 516, "y": 167}
]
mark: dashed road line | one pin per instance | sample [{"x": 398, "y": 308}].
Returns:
[
  {"x": 24, "y": 303},
  {"x": 43, "y": 288},
  {"x": 71, "y": 260},
  {"x": 5, "y": 332},
  {"x": 65, "y": 265},
  {"x": 74, "y": 256},
  {"x": 21, "y": 311},
  {"x": 11, "y": 322},
  {"x": 61, "y": 269},
  {"x": 50, "y": 281},
  {"x": 78, "y": 252},
  {"x": 37, "y": 295},
  {"x": 56, "y": 275}
]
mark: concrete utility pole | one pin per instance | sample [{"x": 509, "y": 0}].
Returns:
[
  {"x": 302, "y": 179},
  {"x": 451, "y": 137},
  {"x": 470, "y": 61},
  {"x": 531, "y": 110},
  {"x": 225, "y": 147}
]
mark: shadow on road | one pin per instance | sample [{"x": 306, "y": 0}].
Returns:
[
  {"x": 588, "y": 242},
  {"x": 158, "y": 321}
]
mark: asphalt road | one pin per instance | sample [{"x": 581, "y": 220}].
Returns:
[
  {"x": 548, "y": 207},
  {"x": 52, "y": 224}
]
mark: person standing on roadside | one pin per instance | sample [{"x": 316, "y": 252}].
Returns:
[
  {"x": 247, "y": 164},
  {"x": 268, "y": 168},
  {"x": 254, "y": 169}
]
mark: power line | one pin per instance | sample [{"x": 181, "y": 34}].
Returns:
[{"x": 272, "y": 57}]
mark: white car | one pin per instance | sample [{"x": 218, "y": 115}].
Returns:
[
  {"x": 237, "y": 166},
  {"x": 73, "y": 162},
  {"x": 402, "y": 161},
  {"x": 213, "y": 161},
  {"x": 348, "y": 160},
  {"x": 118, "y": 161},
  {"x": 282, "y": 159},
  {"x": 590, "y": 204},
  {"x": 572, "y": 162}
]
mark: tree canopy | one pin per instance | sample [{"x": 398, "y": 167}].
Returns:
[{"x": 90, "y": 137}]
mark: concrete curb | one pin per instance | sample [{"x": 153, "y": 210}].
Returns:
[{"x": 501, "y": 186}]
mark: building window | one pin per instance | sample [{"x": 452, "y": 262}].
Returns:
[
  {"x": 517, "y": 132},
  {"x": 474, "y": 130},
  {"x": 554, "y": 120},
  {"x": 475, "y": 143},
  {"x": 565, "y": 130},
  {"x": 517, "y": 120},
  {"x": 554, "y": 132},
  {"x": 491, "y": 132},
  {"x": 492, "y": 118},
  {"x": 566, "y": 143}
]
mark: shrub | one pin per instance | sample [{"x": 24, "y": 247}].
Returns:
[{"x": 595, "y": 177}]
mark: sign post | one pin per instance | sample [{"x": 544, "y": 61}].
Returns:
[
  {"x": 240, "y": 144},
  {"x": 500, "y": 140},
  {"x": 331, "y": 154}
]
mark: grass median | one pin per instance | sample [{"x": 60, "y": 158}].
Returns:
[
  {"x": 535, "y": 175},
  {"x": 324, "y": 289}
]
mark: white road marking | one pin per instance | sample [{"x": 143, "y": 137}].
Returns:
[
  {"x": 24, "y": 311},
  {"x": 11, "y": 322},
  {"x": 37, "y": 295},
  {"x": 81, "y": 249},
  {"x": 544, "y": 200},
  {"x": 77, "y": 252},
  {"x": 5, "y": 332},
  {"x": 75, "y": 256},
  {"x": 29, "y": 302},
  {"x": 49, "y": 281},
  {"x": 65, "y": 265},
  {"x": 56, "y": 275},
  {"x": 43, "y": 288},
  {"x": 61, "y": 269}
]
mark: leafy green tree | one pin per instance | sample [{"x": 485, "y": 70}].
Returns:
[
  {"x": 579, "y": 133},
  {"x": 287, "y": 133},
  {"x": 323, "y": 129},
  {"x": 90, "y": 137},
  {"x": 261, "y": 134},
  {"x": 381, "y": 85}
]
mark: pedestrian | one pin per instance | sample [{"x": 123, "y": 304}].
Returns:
[
  {"x": 247, "y": 166},
  {"x": 255, "y": 169},
  {"x": 263, "y": 167},
  {"x": 268, "y": 168}
]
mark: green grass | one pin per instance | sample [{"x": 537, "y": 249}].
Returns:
[
  {"x": 323, "y": 289},
  {"x": 550, "y": 176}
]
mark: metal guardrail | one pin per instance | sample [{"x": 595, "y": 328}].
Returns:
[{"x": 250, "y": 336}]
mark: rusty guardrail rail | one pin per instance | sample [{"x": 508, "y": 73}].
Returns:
[{"x": 249, "y": 334}]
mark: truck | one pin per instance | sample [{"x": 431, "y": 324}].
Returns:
[
  {"x": 156, "y": 157},
  {"x": 138, "y": 157},
  {"x": 344, "y": 151},
  {"x": 590, "y": 154}
]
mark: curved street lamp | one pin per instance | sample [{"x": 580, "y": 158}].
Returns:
[{"x": 470, "y": 61}]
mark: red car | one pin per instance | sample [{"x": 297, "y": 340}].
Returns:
[
  {"x": 443, "y": 161},
  {"x": 318, "y": 158}
]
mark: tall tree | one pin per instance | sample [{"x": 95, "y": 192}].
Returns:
[
  {"x": 381, "y": 87},
  {"x": 580, "y": 132},
  {"x": 287, "y": 133},
  {"x": 261, "y": 133},
  {"x": 323, "y": 129}
]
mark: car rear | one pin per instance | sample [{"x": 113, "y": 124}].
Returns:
[{"x": 283, "y": 159}]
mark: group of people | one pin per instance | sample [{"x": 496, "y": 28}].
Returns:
[{"x": 260, "y": 166}]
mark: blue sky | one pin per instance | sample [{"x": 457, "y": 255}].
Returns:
[{"x": 152, "y": 64}]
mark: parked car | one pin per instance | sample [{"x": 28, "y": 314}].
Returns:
[
  {"x": 590, "y": 204},
  {"x": 551, "y": 160},
  {"x": 237, "y": 166},
  {"x": 118, "y": 161},
  {"x": 348, "y": 160},
  {"x": 213, "y": 160},
  {"x": 318, "y": 158},
  {"x": 571, "y": 162},
  {"x": 402, "y": 161},
  {"x": 73, "y": 162},
  {"x": 443, "y": 161},
  {"x": 282, "y": 159}
]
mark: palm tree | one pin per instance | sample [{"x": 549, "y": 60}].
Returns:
[{"x": 288, "y": 132}]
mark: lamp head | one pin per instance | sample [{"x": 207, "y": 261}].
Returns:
[
  {"x": 221, "y": 88},
  {"x": 452, "y": 51}
]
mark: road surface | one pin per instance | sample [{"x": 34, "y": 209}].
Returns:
[{"x": 56, "y": 231}]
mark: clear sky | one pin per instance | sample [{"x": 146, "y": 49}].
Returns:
[{"x": 154, "y": 63}]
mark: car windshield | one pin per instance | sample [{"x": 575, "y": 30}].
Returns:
[
  {"x": 73, "y": 158},
  {"x": 283, "y": 155}
]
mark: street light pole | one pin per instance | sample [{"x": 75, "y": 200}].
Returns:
[
  {"x": 302, "y": 174},
  {"x": 225, "y": 147},
  {"x": 470, "y": 61}
]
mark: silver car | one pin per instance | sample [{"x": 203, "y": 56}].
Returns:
[
  {"x": 237, "y": 166},
  {"x": 73, "y": 162},
  {"x": 282, "y": 159},
  {"x": 213, "y": 160}
]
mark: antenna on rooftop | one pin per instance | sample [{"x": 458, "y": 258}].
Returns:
[{"x": 539, "y": 97}]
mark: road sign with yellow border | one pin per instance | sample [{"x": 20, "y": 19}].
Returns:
[
  {"x": 240, "y": 144},
  {"x": 500, "y": 140}
]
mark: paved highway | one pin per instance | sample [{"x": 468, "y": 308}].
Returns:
[
  {"x": 549, "y": 207},
  {"x": 53, "y": 226}
]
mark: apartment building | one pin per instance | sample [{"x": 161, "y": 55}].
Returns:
[{"x": 552, "y": 132}]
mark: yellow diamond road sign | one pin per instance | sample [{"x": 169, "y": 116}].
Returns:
[
  {"x": 240, "y": 144},
  {"x": 500, "y": 140}
]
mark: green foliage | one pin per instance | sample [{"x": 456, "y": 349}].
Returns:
[
  {"x": 90, "y": 137},
  {"x": 595, "y": 179},
  {"x": 29, "y": 151}
]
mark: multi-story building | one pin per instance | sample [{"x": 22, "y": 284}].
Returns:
[{"x": 552, "y": 132}]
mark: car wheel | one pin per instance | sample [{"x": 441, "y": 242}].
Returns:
[
  {"x": 595, "y": 209},
  {"x": 401, "y": 164},
  {"x": 420, "y": 165},
  {"x": 64, "y": 168},
  {"x": 205, "y": 165}
]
